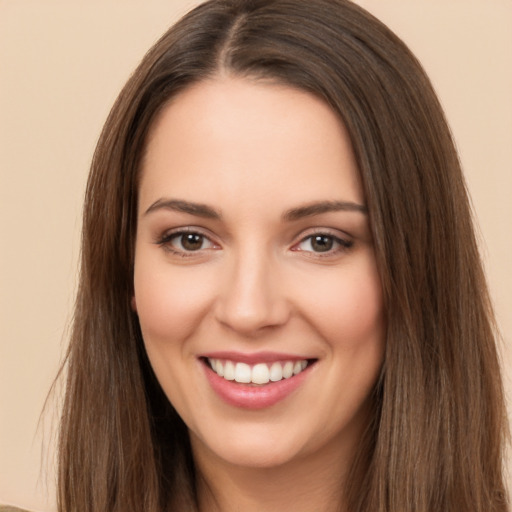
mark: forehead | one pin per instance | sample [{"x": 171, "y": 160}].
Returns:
[{"x": 237, "y": 138}]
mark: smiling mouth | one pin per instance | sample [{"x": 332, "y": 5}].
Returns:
[{"x": 259, "y": 374}]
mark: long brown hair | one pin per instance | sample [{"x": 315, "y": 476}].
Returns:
[{"x": 437, "y": 434}]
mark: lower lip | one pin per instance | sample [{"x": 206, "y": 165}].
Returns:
[{"x": 254, "y": 397}]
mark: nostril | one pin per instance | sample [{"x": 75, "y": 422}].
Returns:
[{"x": 251, "y": 317}]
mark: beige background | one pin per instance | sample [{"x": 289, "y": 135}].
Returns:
[{"x": 62, "y": 63}]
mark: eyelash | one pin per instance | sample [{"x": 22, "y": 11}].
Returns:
[
  {"x": 165, "y": 241},
  {"x": 342, "y": 244}
]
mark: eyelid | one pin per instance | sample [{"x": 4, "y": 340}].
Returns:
[
  {"x": 165, "y": 239},
  {"x": 344, "y": 242}
]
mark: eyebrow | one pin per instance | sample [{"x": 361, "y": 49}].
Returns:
[
  {"x": 294, "y": 214},
  {"x": 323, "y": 207},
  {"x": 197, "y": 209}
]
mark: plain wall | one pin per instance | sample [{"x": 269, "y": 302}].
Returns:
[{"x": 62, "y": 63}]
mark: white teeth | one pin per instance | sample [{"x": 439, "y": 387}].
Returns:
[
  {"x": 229, "y": 370},
  {"x": 276, "y": 372},
  {"x": 261, "y": 373},
  {"x": 243, "y": 373},
  {"x": 288, "y": 370}
]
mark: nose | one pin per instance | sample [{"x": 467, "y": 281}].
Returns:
[{"x": 251, "y": 298}]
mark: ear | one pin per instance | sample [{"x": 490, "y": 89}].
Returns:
[{"x": 133, "y": 304}]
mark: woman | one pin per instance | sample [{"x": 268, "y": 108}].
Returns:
[{"x": 281, "y": 302}]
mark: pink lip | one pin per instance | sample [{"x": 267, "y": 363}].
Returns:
[{"x": 248, "y": 396}]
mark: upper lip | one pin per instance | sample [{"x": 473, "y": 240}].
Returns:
[{"x": 254, "y": 357}]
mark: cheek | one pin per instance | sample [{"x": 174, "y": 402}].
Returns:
[
  {"x": 170, "y": 305},
  {"x": 348, "y": 310},
  {"x": 170, "y": 302}
]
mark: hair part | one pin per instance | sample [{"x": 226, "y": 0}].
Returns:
[{"x": 435, "y": 441}]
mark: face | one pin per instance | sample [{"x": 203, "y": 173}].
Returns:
[{"x": 255, "y": 278}]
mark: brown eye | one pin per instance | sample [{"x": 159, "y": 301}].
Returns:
[
  {"x": 190, "y": 241},
  {"x": 186, "y": 242},
  {"x": 322, "y": 243}
]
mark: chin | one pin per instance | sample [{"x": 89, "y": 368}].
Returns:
[{"x": 254, "y": 448}]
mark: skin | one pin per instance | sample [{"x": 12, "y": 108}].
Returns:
[{"x": 254, "y": 282}]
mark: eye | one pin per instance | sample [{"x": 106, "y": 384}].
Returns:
[
  {"x": 323, "y": 243},
  {"x": 185, "y": 242},
  {"x": 190, "y": 241}
]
